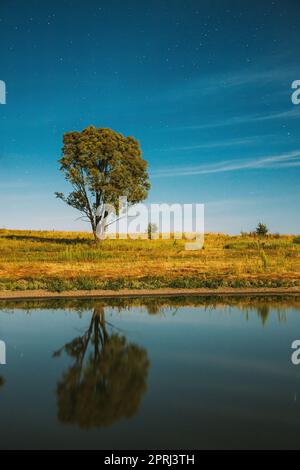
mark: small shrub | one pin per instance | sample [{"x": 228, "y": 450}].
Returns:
[
  {"x": 85, "y": 283},
  {"x": 261, "y": 230},
  {"x": 57, "y": 285}
]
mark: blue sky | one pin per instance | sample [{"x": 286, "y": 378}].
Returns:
[{"x": 205, "y": 86}]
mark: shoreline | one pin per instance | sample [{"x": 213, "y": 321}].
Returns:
[{"x": 162, "y": 292}]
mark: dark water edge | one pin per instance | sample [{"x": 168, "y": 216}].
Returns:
[{"x": 150, "y": 373}]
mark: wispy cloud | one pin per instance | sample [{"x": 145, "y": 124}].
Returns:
[
  {"x": 234, "y": 120},
  {"x": 6, "y": 185},
  {"x": 222, "y": 143},
  {"x": 232, "y": 81},
  {"x": 248, "y": 77},
  {"x": 291, "y": 159}
]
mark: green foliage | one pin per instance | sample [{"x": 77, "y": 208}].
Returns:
[
  {"x": 102, "y": 166},
  {"x": 148, "y": 282},
  {"x": 57, "y": 285}
]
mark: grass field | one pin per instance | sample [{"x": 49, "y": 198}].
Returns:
[{"x": 58, "y": 261}]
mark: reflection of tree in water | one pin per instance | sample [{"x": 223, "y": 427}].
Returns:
[
  {"x": 2, "y": 381},
  {"x": 107, "y": 379}
]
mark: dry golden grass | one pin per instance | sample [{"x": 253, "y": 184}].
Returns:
[{"x": 30, "y": 258}]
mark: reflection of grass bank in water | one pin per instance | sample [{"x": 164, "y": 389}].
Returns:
[
  {"x": 262, "y": 306},
  {"x": 58, "y": 261},
  {"x": 154, "y": 304}
]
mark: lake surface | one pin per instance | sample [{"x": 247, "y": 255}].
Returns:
[{"x": 179, "y": 373}]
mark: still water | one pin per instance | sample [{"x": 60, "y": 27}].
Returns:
[{"x": 178, "y": 373}]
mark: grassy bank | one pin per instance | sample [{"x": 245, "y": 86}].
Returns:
[{"x": 59, "y": 261}]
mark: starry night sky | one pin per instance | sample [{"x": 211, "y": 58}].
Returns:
[{"x": 205, "y": 86}]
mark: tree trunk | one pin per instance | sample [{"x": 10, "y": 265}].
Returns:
[
  {"x": 96, "y": 238},
  {"x": 101, "y": 229}
]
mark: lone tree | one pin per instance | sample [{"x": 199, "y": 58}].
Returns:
[
  {"x": 102, "y": 166},
  {"x": 261, "y": 230}
]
